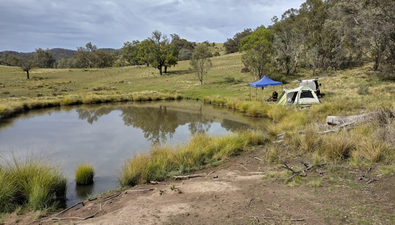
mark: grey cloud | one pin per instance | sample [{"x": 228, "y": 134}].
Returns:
[{"x": 29, "y": 24}]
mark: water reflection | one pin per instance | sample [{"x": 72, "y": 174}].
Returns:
[
  {"x": 84, "y": 191},
  {"x": 159, "y": 123}
]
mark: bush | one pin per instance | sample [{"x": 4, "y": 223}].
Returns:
[{"x": 84, "y": 174}]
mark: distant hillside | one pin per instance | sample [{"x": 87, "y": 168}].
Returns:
[
  {"x": 57, "y": 53},
  {"x": 6, "y": 54}
]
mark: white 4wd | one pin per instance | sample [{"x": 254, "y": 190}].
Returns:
[{"x": 313, "y": 84}]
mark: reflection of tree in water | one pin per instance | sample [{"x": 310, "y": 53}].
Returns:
[
  {"x": 198, "y": 124},
  {"x": 156, "y": 123},
  {"x": 233, "y": 126},
  {"x": 93, "y": 115},
  {"x": 159, "y": 124}
]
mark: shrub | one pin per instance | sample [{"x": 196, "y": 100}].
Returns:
[{"x": 84, "y": 174}]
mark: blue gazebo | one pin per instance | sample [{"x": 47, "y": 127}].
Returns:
[{"x": 264, "y": 82}]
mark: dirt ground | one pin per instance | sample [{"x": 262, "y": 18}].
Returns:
[{"x": 245, "y": 190}]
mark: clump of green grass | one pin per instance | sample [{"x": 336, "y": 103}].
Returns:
[
  {"x": 256, "y": 110},
  {"x": 215, "y": 100},
  {"x": 311, "y": 141},
  {"x": 278, "y": 112},
  {"x": 273, "y": 153},
  {"x": 201, "y": 151},
  {"x": 34, "y": 183},
  {"x": 8, "y": 193},
  {"x": 71, "y": 100},
  {"x": 337, "y": 147},
  {"x": 84, "y": 174}
]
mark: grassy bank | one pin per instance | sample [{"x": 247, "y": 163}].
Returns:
[{"x": 200, "y": 152}]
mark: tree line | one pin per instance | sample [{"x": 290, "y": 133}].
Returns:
[
  {"x": 157, "y": 51},
  {"x": 322, "y": 34}
]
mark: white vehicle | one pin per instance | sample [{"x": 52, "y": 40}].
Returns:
[{"x": 313, "y": 84}]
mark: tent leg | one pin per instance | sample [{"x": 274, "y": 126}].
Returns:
[{"x": 256, "y": 94}]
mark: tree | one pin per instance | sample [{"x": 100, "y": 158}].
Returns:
[
  {"x": 43, "y": 58},
  {"x": 183, "y": 46},
  {"x": 86, "y": 57},
  {"x": 104, "y": 59},
  {"x": 144, "y": 52},
  {"x": 161, "y": 53},
  {"x": 257, "y": 51},
  {"x": 26, "y": 65},
  {"x": 130, "y": 52},
  {"x": 288, "y": 40},
  {"x": 233, "y": 44},
  {"x": 200, "y": 61},
  {"x": 64, "y": 62}
]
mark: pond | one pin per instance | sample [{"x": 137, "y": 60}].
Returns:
[{"x": 106, "y": 135}]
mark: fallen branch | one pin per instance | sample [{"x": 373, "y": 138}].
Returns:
[
  {"x": 244, "y": 167},
  {"x": 367, "y": 180},
  {"x": 75, "y": 218},
  {"x": 301, "y": 172},
  {"x": 209, "y": 174},
  {"x": 258, "y": 159},
  {"x": 112, "y": 196},
  {"x": 340, "y": 120},
  {"x": 249, "y": 203},
  {"x": 189, "y": 176},
  {"x": 138, "y": 190},
  {"x": 276, "y": 218},
  {"x": 67, "y": 209}
]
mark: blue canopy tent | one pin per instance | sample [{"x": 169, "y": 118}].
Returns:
[{"x": 264, "y": 82}]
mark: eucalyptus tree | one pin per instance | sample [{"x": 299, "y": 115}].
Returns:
[
  {"x": 233, "y": 44},
  {"x": 257, "y": 49},
  {"x": 161, "y": 53},
  {"x": 366, "y": 28},
  {"x": 183, "y": 46},
  {"x": 288, "y": 40},
  {"x": 104, "y": 59},
  {"x": 378, "y": 20},
  {"x": 85, "y": 57},
  {"x": 26, "y": 65},
  {"x": 130, "y": 52},
  {"x": 200, "y": 61},
  {"x": 44, "y": 58}
]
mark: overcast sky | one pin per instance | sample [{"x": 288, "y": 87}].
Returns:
[{"x": 29, "y": 24}]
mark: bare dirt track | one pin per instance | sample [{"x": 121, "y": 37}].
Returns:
[{"x": 245, "y": 190}]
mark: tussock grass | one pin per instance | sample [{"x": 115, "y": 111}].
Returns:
[
  {"x": 201, "y": 151},
  {"x": 279, "y": 112},
  {"x": 84, "y": 174},
  {"x": 337, "y": 147},
  {"x": 33, "y": 182}
]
